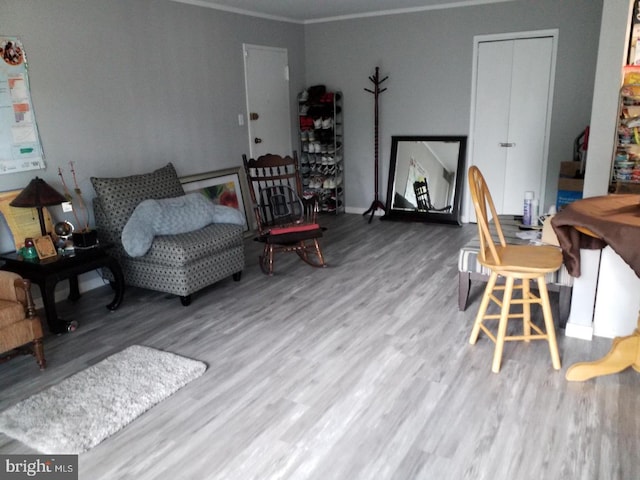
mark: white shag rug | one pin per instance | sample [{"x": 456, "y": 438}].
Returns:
[{"x": 84, "y": 409}]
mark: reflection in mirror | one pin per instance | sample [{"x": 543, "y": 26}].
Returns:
[{"x": 426, "y": 174}]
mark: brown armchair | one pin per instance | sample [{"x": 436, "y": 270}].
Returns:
[{"x": 19, "y": 324}]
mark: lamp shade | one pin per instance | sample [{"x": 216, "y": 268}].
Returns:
[{"x": 38, "y": 194}]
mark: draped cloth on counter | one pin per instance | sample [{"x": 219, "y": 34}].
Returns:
[{"x": 612, "y": 220}]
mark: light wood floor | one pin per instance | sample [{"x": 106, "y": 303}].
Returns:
[{"x": 362, "y": 370}]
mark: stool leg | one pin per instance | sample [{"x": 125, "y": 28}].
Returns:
[
  {"x": 548, "y": 322},
  {"x": 526, "y": 309},
  {"x": 502, "y": 328},
  {"x": 486, "y": 297}
]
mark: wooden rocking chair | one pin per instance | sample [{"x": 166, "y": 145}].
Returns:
[
  {"x": 421, "y": 190},
  {"x": 286, "y": 220}
]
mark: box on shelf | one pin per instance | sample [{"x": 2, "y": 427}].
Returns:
[
  {"x": 569, "y": 187},
  {"x": 569, "y": 169}
]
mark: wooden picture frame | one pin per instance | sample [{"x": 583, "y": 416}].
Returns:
[
  {"x": 224, "y": 187},
  {"x": 45, "y": 247}
]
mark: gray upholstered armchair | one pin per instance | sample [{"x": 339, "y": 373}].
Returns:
[{"x": 179, "y": 264}]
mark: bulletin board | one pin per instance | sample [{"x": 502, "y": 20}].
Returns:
[{"x": 20, "y": 146}]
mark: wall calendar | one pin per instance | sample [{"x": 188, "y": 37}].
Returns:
[{"x": 20, "y": 146}]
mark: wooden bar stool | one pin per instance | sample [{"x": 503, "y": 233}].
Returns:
[{"x": 518, "y": 264}]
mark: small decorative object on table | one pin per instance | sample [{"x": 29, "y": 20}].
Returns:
[
  {"x": 64, "y": 231},
  {"x": 85, "y": 237},
  {"x": 45, "y": 247},
  {"x": 29, "y": 252}
]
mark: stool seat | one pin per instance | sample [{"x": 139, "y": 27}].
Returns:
[{"x": 531, "y": 260}]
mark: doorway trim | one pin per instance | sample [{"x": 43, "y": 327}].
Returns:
[{"x": 477, "y": 40}]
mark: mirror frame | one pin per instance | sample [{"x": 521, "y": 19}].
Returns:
[{"x": 452, "y": 218}]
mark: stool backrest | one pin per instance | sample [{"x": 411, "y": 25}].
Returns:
[{"x": 481, "y": 198}]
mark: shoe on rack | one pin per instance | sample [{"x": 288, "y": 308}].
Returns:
[
  {"x": 330, "y": 160},
  {"x": 332, "y": 205},
  {"x": 316, "y": 91},
  {"x": 304, "y": 96},
  {"x": 305, "y": 147},
  {"x": 327, "y": 123},
  {"x": 306, "y": 123},
  {"x": 311, "y": 135},
  {"x": 327, "y": 97},
  {"x": 328, "y": 183},
  {"x": 317, "y": 123},
  {"x": 304, "y": 135},
  {"x": 304, "y": 159},
  {"x": 303, "y": 110}
]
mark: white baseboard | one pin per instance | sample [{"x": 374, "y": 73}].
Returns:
[{"x": 582, "y": 332}]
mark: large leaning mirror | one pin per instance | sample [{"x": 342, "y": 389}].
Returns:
[{"x": 426, "y": 175}]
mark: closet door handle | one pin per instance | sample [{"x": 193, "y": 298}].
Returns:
[{"x": 506, "y": 144}]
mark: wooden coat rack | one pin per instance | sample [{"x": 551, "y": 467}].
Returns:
[{"x": 377, "y": 204}]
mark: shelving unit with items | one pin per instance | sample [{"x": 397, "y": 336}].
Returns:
[
  {"x": 625, "y": 167},
  {"x": 321, "y": 146}
]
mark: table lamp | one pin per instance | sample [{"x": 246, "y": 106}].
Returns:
[{"x": 38, "y": 194}]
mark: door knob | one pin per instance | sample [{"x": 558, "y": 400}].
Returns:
[
  {"x": 257, "y": 140},
  {"x": 254, "y": 116}
]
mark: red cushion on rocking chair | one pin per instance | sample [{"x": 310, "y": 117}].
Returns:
[{"x": 294, "y": 229}]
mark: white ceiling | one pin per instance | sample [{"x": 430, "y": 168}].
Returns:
[{"x": 311, "y": 11}]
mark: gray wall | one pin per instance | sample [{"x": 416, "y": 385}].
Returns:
[
  {"x": 428, "y": 58},
  {"x": 125, "y": 86}
]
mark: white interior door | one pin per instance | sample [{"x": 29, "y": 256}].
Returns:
[
  {"x": 268, "y": 110},
  {"x": 493, "y": 96},
  {"x": 525, "y": 167},
  {"x": 513, "y": 86}
]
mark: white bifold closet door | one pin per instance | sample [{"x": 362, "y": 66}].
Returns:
[{"x": 513, "y": 84}]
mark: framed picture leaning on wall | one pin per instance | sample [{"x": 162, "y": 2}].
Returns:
[{"x": 226, "y": 187}]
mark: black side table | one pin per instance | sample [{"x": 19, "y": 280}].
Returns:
[{"x": 48, "y": 272}]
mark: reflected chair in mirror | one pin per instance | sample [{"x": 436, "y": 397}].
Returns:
[
  {"x": 20, "y": 327},
  {"x": 518, "y": 265},
  {"x": 421, "y": 189},
  {"x": 286, "y": 219}
]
